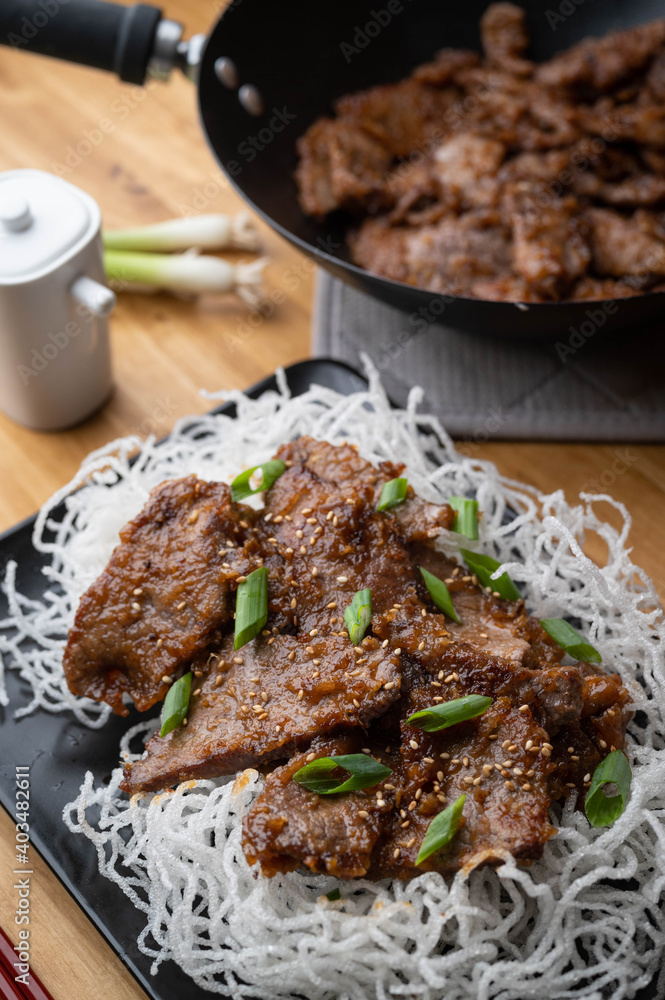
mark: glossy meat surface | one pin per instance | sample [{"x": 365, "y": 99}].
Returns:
[
  {"x": 167, "y": 592},
  {"x": 301, "y": 689},
  {"x": 480, "y": 173}
]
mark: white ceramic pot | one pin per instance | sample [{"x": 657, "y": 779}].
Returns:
[{"x": 55, "y": 363}]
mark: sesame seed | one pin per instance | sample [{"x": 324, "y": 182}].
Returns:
[
  {"x": 303, "y": 550},
  {"x": 363, "y": 814},
  {"x": 301, "y": 694},
  {"x": 317, "y": 663},
  {"x": 512, "y": 748},
  {"x": 507, "y": 763},
  {"x": 389, "y": 788},
  {"x": 310, "y": 756},
  {"x": 545, "y": 752},
  {"x": 575, "y": 758},
  {"x": 448, "y": 679},
  {"x": 314, "y": 631},
  {"x": 495, "y": 593},
  {"x": 264, "y": 715},
  {"x": 314, "y": 571},
  {"x": 257, "y": 709},
  {"x": 396, "y": 853},
  {"x": 342, "y": 579},
  {"x": 288, "y": 551},
  {"x": 517, "y": 771},
  {"x": 477, "y": 781},
  {"x": 136, "y": 606},
  {"x": 570, "y": 784},
  {"x": 413, "y": 744},
  {"x": 465, "y": 761},
  {"x": 299, "y": 533},
  {"x": 294, "y": 602},
  {"x": 548, "y": 746},
  {"x": 312, "y": 540},
  {"x": 329, "y": 515},
  {"x": 412, "y": 805},
  {"x": 526, "y": 787},
  {"x": 602, "y": 744},
  {"x": 528, "y": 744},
  {"x": 510, "y": 786},
  {"x": 468, "y": 780},
  {"x": 389, "y": 685},
  {"x": 483, "y": 635},
  {"x": 454, "y": 761},
  {"x": 137, "y": 591},
  {"x": 180, "y": 606},
  {"x": 587, "y": 777},
  {"x": 440, "y": 675},
  {"x": 335, "y": 521},
  {"x": 398, "y": 651},
  {"x": 317, "y": 531},
  {"x": 418, "y": 793},
  {"x": 492, "y": 736},
  {"x": 197, "y": 692},
  {"x": 238, "y": 659},
  {"x": 523, "y": 708},
  {"x": 349, "y": 500},
  {"x": 411, "y": 842},
  {"x": 291, "y": 656},
  {"x": 160, "y": 643},
  {"x": 333, "y": 604},
  {"x": 356, "y": 703},
  {"x": 267, "y": 518},
  {"x": 421, "y": 645},
  {"x": 222, "y": 552},
  {"x": 384, "y": 643},
  {"x": 193, "y": 516},
  {"x": 444, "y": 756},
  {"x": 264, "y": 696},
  {"x": 530, "y": 774},
  {"x": 241, "y": 579},
  {"x": 487, "y": 768},
  {"x": 185, "y": 721},
  {"x": 428, "y": 760},
  {"x": 407, "y": 822},
  {"x": 380, "y": 803},
  {"x": 218, "y": 679},
  {"x": 278, "y": 729},
  {"x": 166, "y": 679}
]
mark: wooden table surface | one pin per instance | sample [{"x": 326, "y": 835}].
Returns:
[{"x": 150, "y": 166}]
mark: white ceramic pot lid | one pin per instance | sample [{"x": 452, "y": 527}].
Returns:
[{"x": 41, "y": 218}]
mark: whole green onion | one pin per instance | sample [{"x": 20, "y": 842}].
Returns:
[
  {"x": 358, "y": 615},
  {"x": 205, "y": 232},
  {"x": 603, "y": 809},
  {"x": 440, "y": 594},
  {"x": 188, "y": 273},
  {"x": 571, "y": 640},
  {"x": 251, "y": 607},
  {"x": 466, "y": 516},
  {"x": 364, "y": 771},
  {"x": 441, "y": 830},
  {"x": 392, "y": 493},
  {"x": 449, "y": 713},
  {"x": 270, "y": 471},
  {"x": 176, "y": 704},
  {"x": 483, "y": 566}
]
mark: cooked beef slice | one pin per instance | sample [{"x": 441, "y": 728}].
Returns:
[
  {"x": 599, "y": 64},
  {"x": 624, "y": 247},
  {"x": 505, "y": 38},
  {"x": 166, "y": 593},
  {"x": 264, "y": 702},
  {"x": 326, "y": 540}
]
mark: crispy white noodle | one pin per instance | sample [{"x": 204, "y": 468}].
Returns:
[{"x": 585, "y": 921}]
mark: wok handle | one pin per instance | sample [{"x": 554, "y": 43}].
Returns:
[{"x": 109, "y": 36}]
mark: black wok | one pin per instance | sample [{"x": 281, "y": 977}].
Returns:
[{"x": 300, "y": 55}]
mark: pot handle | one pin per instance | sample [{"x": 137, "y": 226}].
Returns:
[{"x": 130, "y": 41}]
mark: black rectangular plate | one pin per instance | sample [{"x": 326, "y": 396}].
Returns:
[{"x": 59, "y": 750}]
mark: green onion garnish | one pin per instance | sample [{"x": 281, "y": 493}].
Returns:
[
  {"x": 483, "y": 567},
  {"x": 449, "y": 713},
  {"x": 333, "y": 894},
  {"x": 604, "y": 805},
  {"x": 441, "y": 830},
  {"x": 176, "y": 703},
  {"x": 393, "y": 493},
  {"x": 440, "y": 594},
  {"x": 466, "y": 516},
  {"x": 270, "y": 471},
  {"x": 571, "y": 640},
  {"x": 364, "y": 771},
  {"x": 358, "y": 615},
  {"x": 251, "y": 607}
]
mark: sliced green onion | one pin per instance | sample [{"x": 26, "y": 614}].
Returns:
[
  {"x": 604, "y": 805},
  {"x": 358, "y": 615},
  {"x": 251, "y": 607},
  {"x": 206, "y": 232},
  {"x": 393, "y": 493},
  {"x": 571, "y": 640},
  {"x": 483, "y": 566},
  {"x": 364, "y": 771},
  {"x": 176, "y": 703},
  {"x": 440, "y": 594},
  {"x": 441, "y": 830},
  {"x": 270, "y": 471},
  {"x": 449, "y": 713},
  {"x": 466, "y": 516},
  {"x": 333, "y": 895}
]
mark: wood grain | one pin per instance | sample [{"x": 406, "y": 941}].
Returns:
[{"x": 151, "y": 165}]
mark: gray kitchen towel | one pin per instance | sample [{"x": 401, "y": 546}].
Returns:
[{"x": 595, "y": 389}]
